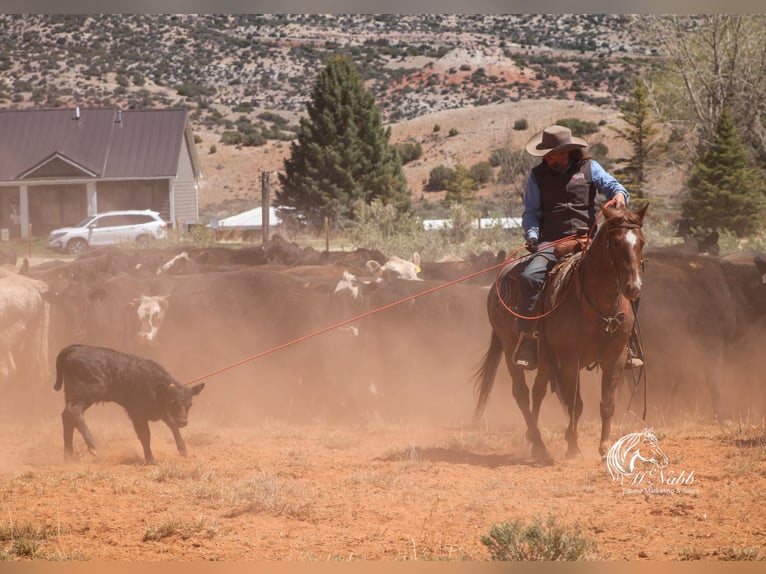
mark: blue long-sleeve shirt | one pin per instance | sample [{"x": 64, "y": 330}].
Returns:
[{"x": 530, "y": 219}]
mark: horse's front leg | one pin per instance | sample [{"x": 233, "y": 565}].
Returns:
[
  {"x": 539, "y": 389},
  {"x": 610, "y": 379},
  {"x": 569, "y": 387},
  {"x": 521, "y": 394}
]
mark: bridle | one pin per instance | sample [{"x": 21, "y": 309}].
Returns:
[{"x": 613, "y": 322}]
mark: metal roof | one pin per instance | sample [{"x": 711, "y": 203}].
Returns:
[{"x": 110, "y": 143}]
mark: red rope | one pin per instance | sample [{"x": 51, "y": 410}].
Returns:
[
  {"x": 374, "y": 311},
  {"x": 346, "y": 322}
]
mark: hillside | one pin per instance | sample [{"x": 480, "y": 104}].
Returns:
[{"x": 246, "y": 79}]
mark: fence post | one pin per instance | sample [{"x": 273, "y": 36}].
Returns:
[{"x": 265, "y": 201}]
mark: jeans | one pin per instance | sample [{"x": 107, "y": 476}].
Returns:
[{"x": 531, "y": 283}]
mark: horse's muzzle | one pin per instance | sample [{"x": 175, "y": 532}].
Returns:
[{"x": 632, "y": 290}]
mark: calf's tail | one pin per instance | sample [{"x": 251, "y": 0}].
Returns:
[{"x": 60, "y": 369}]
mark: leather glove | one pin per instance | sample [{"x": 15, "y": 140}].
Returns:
[{"x": 532, "y": 244}]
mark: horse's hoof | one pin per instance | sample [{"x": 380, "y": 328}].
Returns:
[
  {"x": 540, "y": 453},
  {"x": 573, "y": 452}
]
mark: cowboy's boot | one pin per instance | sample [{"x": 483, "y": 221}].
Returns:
[{"x": 635, "y": 357}]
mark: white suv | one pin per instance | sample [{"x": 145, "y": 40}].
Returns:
[{"x": 108, "y": 228}]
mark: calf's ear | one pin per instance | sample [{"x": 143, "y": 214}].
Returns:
[{"x": 197, "y": 388}]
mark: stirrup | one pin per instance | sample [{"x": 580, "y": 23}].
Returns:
[
  {"x": 528, "y": 343},
  {"x": 633, "y": 360}
]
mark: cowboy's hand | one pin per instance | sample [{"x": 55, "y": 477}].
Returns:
[
  {"x": 532, "y": 244},
  {"x": 619, "y": 200}
]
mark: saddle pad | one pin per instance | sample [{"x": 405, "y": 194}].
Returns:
[{"x": 558, "y": 278}]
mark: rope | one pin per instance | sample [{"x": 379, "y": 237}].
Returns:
[
  {"x": 347, "y": 321},
  {"x": 509, "y": 259}
]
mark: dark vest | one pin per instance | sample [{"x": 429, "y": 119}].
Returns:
[{"x": 568, "y": 200}]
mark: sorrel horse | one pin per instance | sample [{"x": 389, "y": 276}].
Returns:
[{"x": 586, "y": 321}]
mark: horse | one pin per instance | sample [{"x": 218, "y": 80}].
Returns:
[
  {"x": 633, "y": 449},
  {"x": 586, "y": 321}
]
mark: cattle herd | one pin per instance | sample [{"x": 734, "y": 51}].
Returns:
[{"x": 395, "y": 338}]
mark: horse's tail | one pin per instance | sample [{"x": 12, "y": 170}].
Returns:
[{"x": 485, "y": 374}]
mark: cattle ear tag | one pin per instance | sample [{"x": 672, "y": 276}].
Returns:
[{"x": 417, "y": 268}]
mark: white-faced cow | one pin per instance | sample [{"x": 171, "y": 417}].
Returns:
[
  {"x": 396, "y": 268},
  {"x": 142, "y": 387}
]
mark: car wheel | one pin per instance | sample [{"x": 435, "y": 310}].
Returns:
[
  {"x": 143, "y": 240},
  {"x": 76, "y": 246}
]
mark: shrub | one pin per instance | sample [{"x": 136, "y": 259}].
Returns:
[
  {"x": 538, "y": 541},
  {"x": 579, "y": 128},
  {"x": 499, "y": 156},
  {"x": 521, "y": 124},
  {"x": 409, "y": 151},
  {"x": 481, "y": 172},
  {"x": 439, "y": 177}
]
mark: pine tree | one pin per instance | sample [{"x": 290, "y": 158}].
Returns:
[
  {"x": 637, "y": 114},
  {"x": 342, "y": 153},
  {"x": 725, "y": 193}
]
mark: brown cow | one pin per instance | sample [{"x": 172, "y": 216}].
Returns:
[{"x": 693, "y": 310}]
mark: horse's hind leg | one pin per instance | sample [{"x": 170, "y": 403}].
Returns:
[{"x": 521, "y": 394}]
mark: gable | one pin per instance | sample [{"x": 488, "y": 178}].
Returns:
[{"x": 56, "y": 166}]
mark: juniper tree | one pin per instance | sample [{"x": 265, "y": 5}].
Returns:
[
  {"x": 636, "y": 113},
  {"x": 341, "y": 154},
  {"x": 725, "y": 193}
]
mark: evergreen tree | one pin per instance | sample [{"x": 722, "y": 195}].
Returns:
[
  {"x": 725, "y": 193},
  {"x": 341, "y": 154},
  {"x": 637, "y": 114}
]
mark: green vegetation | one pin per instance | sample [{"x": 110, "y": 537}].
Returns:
[
  {"x": 580, "y": 128},
  {"x": 29, "y": 542},
  {"x": 725, "y": 192},
  {"x": 342, "y": 153},
  {"x": 549, "y": 541},
  {"x": 636, "y": 112}
]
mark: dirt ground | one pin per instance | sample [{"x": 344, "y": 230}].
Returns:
[{"x": 411, "y": 484}]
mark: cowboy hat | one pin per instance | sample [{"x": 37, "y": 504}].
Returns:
[{"x": 554, "y": 138}]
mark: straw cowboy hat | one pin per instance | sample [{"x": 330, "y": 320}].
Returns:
[{"x": 554, "y": 138}]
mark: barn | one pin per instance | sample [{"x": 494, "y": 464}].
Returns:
[{"x": 58, "y": 166}]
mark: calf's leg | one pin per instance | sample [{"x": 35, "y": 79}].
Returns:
[
  {"x": 73, "y": 418},
  {"x": 180, "y": 444},
  {"x": 142, "y": 430}
]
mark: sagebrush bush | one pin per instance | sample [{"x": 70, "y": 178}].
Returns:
[{"x": 537, "y": 541}]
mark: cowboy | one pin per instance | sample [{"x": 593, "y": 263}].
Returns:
[{"x": 559, "y": 200}]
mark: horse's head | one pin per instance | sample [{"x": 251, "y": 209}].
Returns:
[{"x": 625, "y": 242}]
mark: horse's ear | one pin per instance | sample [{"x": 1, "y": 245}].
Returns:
[{"x": 642, "y": 211}]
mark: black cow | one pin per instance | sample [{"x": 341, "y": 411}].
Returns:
[{"x": 142, "y": 387}]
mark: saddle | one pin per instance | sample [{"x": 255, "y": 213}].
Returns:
[{"x": 567, "y": 253}]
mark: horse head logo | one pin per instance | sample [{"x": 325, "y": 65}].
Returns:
[{"x": 635, "y": 452}]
